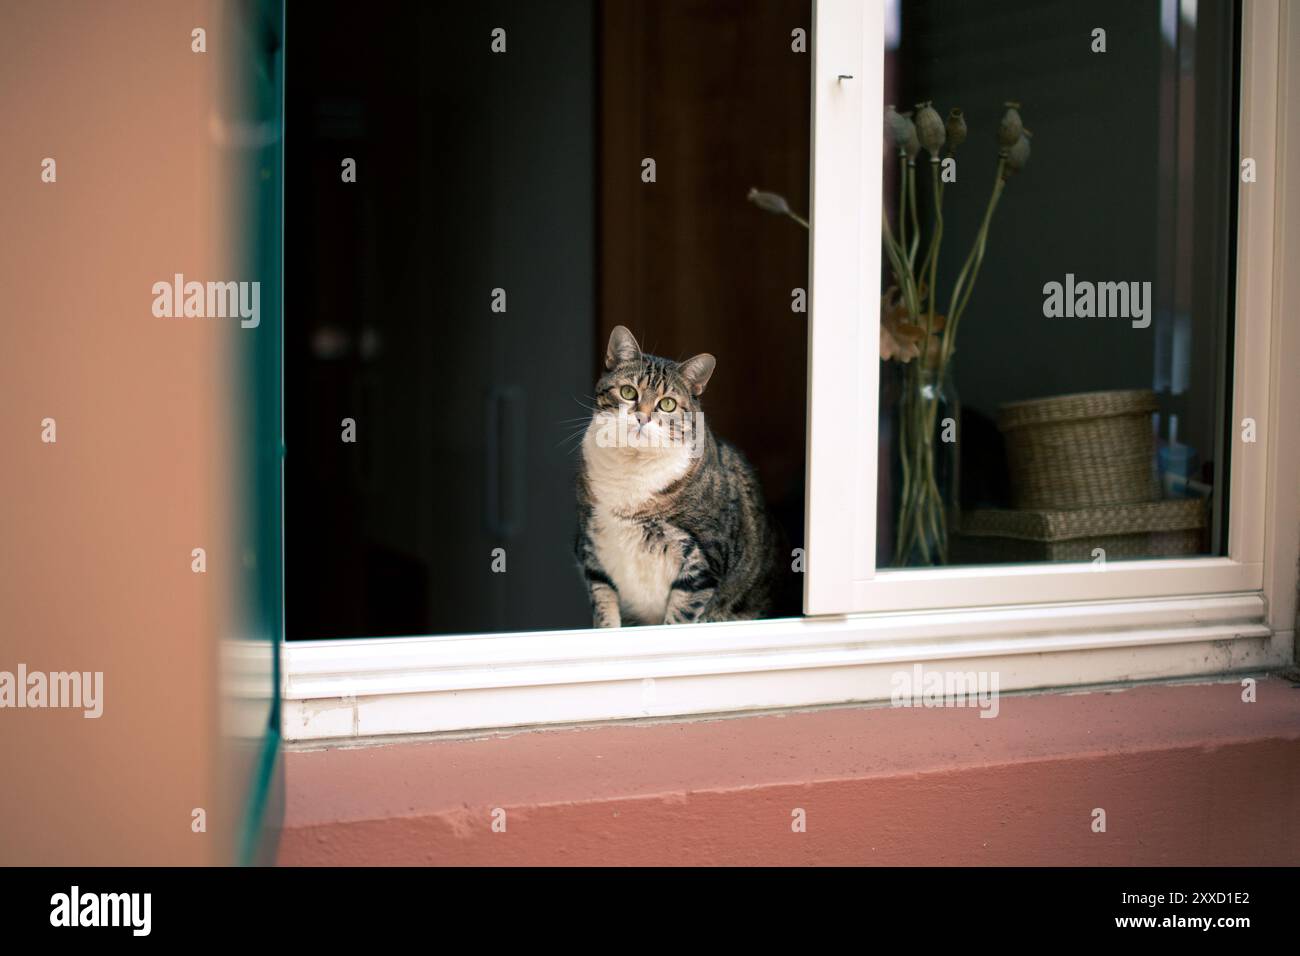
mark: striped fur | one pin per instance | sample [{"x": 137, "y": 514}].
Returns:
[{"x": 677, "y": 531}]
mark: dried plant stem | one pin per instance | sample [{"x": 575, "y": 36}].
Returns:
[
  {"x": 932, "y": 257},
  {"x": 904, "y": 442},
  {"x": 897, "y": 260},
  {"x": 916, "y": 226},
  {"x": 907, "y": 440},
  {"x": 902, "y": 198},
  {"x": 922, "y": 518},
  {"x": 923, "y": 521},
  {"x": 965, "y": 285},
  {"x": 922, "y": 525},
  {"x": 975, "y": 258}
]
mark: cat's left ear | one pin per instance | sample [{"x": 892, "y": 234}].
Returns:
[{"x": 696, "y": 371}]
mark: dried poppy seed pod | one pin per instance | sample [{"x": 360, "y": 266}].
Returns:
[
  {"x": 769, "y": 202},
  {"x": 929, "y": 130},
  {"x": 1011, "y": 127},
  {"x": 905, "y": 135},
  {"x": 1018, "y": 154},
  {"x": 956, "y": 128},
  {"x": 913, "y": 145},
  {"x": 895, "y": 126}
]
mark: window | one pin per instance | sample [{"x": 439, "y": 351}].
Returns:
[
  {"x": 1205, "y": 89},
  {"x": 1094, "y": 351},
  {"x": 559, "y": 172}
]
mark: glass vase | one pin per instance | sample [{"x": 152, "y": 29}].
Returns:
[{"x": 927, "y": 426}]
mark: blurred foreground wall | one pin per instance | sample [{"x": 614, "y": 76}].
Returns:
[{"x": 99, "y": 526}]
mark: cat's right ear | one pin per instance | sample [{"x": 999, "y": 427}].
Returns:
[{"x": 622, "y": 347}]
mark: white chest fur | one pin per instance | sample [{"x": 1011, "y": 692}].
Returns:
[
  {"x": 642, "y": 566},
  {"x": 642, "y": 572}
]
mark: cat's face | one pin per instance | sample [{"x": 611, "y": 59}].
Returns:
[{"x": 648, "y": 403}]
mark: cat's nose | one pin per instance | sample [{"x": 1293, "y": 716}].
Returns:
[{"x": 642, "y": 418}]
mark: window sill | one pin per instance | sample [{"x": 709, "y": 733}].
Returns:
[{"x": 365, "y": 688}]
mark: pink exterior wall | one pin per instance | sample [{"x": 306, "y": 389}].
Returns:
[
  {"x": 1187, "y": 774},
  {"x": 98, "y": 526}
]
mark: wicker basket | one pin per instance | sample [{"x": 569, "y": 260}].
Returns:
[
  {"x": 1148, "y": 530},
  {"x": 1081, "y": 451}
]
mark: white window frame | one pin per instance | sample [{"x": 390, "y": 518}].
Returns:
[
  {"x": 844, "y": 387},
  {"x": 1038, "y": 626}
]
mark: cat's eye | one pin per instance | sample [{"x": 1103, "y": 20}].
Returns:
[
  {"x": 628, "y": 393},
  {"x": 667, "y": 404}
]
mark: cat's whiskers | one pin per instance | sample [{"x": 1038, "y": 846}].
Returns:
[
  {"x": 582, "y": 422},
  {"x": 574, "y": 437}
]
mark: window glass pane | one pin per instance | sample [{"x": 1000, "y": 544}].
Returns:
[
  {"x": 1057, "y": 302},
  {"x": 477, "y": 196}
]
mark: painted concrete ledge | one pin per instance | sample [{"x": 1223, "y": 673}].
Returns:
[{"x": 1186, "y": 775}]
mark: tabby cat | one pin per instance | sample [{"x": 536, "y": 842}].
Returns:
[{"x": 672, "y": 525}]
